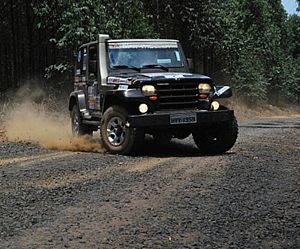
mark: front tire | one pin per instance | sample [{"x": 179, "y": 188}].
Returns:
[
  {"x": 115, "y": 136},
  {"x": 218, "y": 139},
  {"x": 78, "y": 128}
]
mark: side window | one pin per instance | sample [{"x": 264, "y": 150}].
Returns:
[
  {"x": 93, "y": 53},
  {"x": 92, "y": 61},
  {"x": 81, "y": 62}
]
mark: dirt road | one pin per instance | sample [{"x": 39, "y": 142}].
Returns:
[{"x": 168, "y": 197}]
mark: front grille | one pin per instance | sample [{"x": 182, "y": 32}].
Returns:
[{"x": 178, "y": 95}]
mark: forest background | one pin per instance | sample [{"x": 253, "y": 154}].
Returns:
[{"x": 253, "y": 46}]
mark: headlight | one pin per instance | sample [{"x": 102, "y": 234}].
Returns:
[
  {"x": 148, "y": 90},
  {"x": 204, "y": 88}
]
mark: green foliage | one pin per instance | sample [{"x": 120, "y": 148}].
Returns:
[
  {"x": 253, "y": 49},
  {"x": 248, "y": 40},
  {"x": 127, "y": 19},
  {"x": 293, "y": 33},
  {"x": 72, "y": 23},
  {"x": 249, "y": 78},
  {"x": 56, "y": 68},
  {"x": 254, "y": 42},
  {"x": 202, "y": 18},
  {"x": 293, "y": 42}
]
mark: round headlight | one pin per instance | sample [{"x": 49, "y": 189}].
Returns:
[
  {"x": 204, "y": 88},
  {"x": 143, "y": 108},
  {"x": 215, "y": 105},
  {"x": 148, "y": 90}
]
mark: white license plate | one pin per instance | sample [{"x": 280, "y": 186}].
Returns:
[{"x": 186, "y": 118}]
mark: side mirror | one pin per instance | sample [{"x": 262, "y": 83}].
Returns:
[
  {"x": 190, "y": 63},
  {"x": 93, "y": 68},
  {"x": 223, "y": 92}
]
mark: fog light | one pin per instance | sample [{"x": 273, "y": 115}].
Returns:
[
  {"x": 143, "y": 108},
  {"x": 215, "y": 105}
]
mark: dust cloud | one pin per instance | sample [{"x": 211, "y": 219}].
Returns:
[
  {"x": 31, "y": 121},
  {"x": 245, "y": 112}
]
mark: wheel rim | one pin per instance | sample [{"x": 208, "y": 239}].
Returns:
[
  {"x": 76, "y": 125},
  {"x": 116, "y": 131}
]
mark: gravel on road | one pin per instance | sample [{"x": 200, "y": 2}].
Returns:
[{"x": 168, "y": 197}]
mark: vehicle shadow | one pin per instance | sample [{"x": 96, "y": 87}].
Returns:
[{"x": 175, "y": 148}]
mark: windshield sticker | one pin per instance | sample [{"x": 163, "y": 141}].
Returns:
[
  {"x": 164, "y": 61},
  {"x": 142, "y": 45},
  {"x": 174, "y": 76},
  {"x": 177, "y": 56}
]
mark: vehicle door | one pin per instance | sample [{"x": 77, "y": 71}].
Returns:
[
  {"x": 81, "y": 70},
  {"x": 92, "y": 78}
]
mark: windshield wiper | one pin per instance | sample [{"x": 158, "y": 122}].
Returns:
[
  {"x": 155, "y": 66},
  {"x": 126, "y": 67}
]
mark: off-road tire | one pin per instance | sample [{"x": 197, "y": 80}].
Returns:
[
  {"x": 78, "y": 128},
  {"x": 125, "y": 141},
  {"x": 218, "y": 139}
]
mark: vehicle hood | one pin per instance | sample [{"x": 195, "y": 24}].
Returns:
[{"x": 147, "y": 77}]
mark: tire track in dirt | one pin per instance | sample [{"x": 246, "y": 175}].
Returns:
[
  {"x": 138, "y": 198},
  {"x": 86, "y": 176},
  {"x": 32, "y": 160},
  {"x": 146, "y": 164}
]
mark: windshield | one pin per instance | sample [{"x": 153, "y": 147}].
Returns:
[{"x": 143, "y": 55}]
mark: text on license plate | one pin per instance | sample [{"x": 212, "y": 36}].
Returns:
[{"x": 190, "y": 118}]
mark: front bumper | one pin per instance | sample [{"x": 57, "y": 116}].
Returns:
[{"x": 161, "y": 120}]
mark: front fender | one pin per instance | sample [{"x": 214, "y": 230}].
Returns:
[
  {"x": 77, "y": 98},
  {"x": 129, "y": 93}
]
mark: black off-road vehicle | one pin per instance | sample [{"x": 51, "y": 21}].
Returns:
[{"x": 129, "y": 88}]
